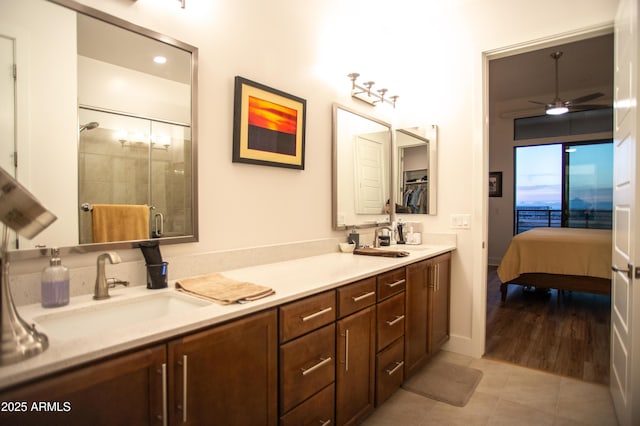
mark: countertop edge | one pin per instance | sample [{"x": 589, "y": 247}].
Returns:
[{"x": 63, "y": 355}]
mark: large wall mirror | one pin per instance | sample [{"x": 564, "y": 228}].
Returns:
[
  {"x": 105, "y": 114},
  {"x": 416, "y": 167},
  {"x": 361, "y": 169}
]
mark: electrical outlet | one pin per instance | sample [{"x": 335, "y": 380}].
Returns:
[{"x": 460, "y": 221}]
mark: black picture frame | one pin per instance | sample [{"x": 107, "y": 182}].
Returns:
[
  {"x": 268, "y": 126},
  {"x": 495, "y": 184}
]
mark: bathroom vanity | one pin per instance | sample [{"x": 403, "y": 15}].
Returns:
[{"x": 337, "y": 339}]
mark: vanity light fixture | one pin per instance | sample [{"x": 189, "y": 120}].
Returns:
[
  {"x": 365, "y": 94},
  {"x": 140, "y": 140}
]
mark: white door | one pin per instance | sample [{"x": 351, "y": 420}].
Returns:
[
  {"x": 7, "y": 105},
  {"x": 625, "y": 298},
  {"x": 369, "y": 176}
]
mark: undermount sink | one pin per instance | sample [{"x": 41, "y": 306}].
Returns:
[{"x": 96, "y": 316}]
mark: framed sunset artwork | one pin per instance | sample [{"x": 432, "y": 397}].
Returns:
[{"x": 268, "y": 126}]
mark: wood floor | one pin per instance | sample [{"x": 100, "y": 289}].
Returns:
[{"x": 567, "y": 335}]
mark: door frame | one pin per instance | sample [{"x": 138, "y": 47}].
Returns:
[{"x": 487, "y": 56}]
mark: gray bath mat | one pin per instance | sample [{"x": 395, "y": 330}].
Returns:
[{"x": 443, "y": 381}]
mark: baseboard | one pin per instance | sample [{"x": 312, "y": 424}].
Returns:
[{"x": 465, "y": 346}]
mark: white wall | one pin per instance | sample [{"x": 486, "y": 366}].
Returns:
[
  {"x": 110, "y": 87},
  {"x": 41, "y": 130},
  {"x": 427, "y": 52}
]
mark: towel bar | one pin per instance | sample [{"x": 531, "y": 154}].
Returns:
[{"x": 87, "y": 207}]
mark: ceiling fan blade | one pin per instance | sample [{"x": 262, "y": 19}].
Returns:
[
  {"x": 539, "y": 103},
  {"x": 585, "y": 107},
  {"x": 585, "y": 98}
]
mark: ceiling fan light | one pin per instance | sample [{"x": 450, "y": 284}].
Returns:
[{"x": 557, "y": 110}]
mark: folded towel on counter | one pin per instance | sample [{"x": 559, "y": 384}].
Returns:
[
  {"x": 221, "y": 289},
  {"x": 119, "y": 222},
  {"x": 381, "y": 252}
]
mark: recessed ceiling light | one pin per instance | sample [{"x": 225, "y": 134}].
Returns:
[{"x": 160, "y": 59}]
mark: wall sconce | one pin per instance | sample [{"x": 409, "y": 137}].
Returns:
[{"x": 365, "y": 94}]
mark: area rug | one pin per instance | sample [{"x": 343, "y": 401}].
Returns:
[{"x": 443, "y": 381}]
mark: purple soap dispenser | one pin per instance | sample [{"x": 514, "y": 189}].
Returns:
[{"x": 55, "y": 282}]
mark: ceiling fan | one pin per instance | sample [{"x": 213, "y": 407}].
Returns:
[{"x": 559, "y": 106}]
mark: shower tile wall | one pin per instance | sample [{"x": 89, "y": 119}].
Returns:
[{"x": 112, "y": 172}]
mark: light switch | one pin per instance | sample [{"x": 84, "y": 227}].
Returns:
[{"x": 460, "y": 221}]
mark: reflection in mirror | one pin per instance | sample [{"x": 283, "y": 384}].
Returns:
[
  {"x": 416, "y": 191},
  {"x": 134, "y": 161},
  {"x": 361, "y": 169},
  {"x": 114, "y": 128}
]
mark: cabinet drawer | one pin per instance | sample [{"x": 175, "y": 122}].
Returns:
[
  {"x": 353, "y": 297},
  {"x": 389, "y": 370},
  {"x": 390, "y": 320},
  {"x": 317, "y": 410},
  {"x": 298, "y": 318},
  {"x": 307, "y": 365},
  {"x": 390, "y": 283}
]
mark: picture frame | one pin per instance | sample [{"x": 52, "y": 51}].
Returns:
[
  {"x": 495, "y": 184},
  {"x": 268, "y": 126}
]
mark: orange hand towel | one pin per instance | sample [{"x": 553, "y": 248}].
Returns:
[{"x": 119, "y": 222}]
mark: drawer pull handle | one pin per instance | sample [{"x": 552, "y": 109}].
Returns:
[
  {"x": 399, "y": 364},
  {"x": 325, "y": 422},
  {"x": 396, "y": 283},
  {"x": 164, "y": 394},
  {"x": 395, "y": 321},
  {"x": 315, "y": 314},
  {"x": 364, "y": 296},
  {"x": 322, "y": 362},
  {"x": 346, "y": 350},
  {"x": 184, "y": 388}
]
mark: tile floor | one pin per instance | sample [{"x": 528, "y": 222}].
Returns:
[{"x": 507, "y": 395}]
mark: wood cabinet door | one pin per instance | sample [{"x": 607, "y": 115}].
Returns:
[
  {"x": 439, "y": 302},
  {"x": 390, "y": 322},
  {"x": 127, "y": 390},
  {"x": 389, "y": 371},
  {"x": 307, "y": 364},
  {"x": 303, "y": 316},
  {"x": 226, "y": 375},
  {"x": 416, "y": 317},
  {"x": 315, "y": 411},
  {"x": 355, "y": 350}
]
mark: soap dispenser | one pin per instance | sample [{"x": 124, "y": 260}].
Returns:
[
  {"x": 354, "y": 237},
  {"x": 55, "y": 282}
]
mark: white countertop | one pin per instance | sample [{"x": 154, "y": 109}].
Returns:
[{"x": 291, "y": 280}]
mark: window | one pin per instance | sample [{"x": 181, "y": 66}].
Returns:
[{"x": 564, "y": 185}]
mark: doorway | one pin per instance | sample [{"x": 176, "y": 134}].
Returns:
[{"x": 509, "y": 97}]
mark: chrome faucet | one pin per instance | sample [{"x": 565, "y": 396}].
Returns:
[
  {"x": 376, "y": 233},
  {"x": 101, "y": 290}
]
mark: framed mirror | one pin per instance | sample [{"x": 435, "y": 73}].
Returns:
[
  {"x": 105, "y": 115},
  {"x": 361, "y": 169},
  {"x": 416, "y": 170}
]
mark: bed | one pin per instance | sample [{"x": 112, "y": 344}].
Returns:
[{"x": 561, "y": 258}]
